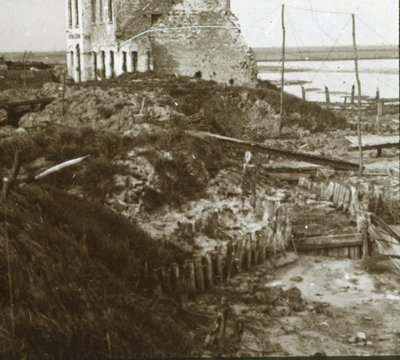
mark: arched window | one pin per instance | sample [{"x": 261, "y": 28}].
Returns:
[
  {"x": 70, "y": 13},
  {"x": 77, "y": 12},
  {"x": 71, "y": 63},
  {"x": 134, "y": 61},
  {"x": 95, "y": 67},
  {"x": 124, "y": 62},
  {"x": 103, "y": 64},
  {"x": 78, "y": 62},
  {"x": 93, "y": 3},
  {"x": 112, "y": 63},
  {"x": 110, "y": 10},
  {"x": 149, "y": 60},
  {"x": 101, "y": 8}
]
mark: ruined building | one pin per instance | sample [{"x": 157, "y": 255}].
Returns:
[{"x": 196, "y": 38}]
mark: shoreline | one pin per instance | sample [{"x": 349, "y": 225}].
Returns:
[{"x": 329, "y": 60}]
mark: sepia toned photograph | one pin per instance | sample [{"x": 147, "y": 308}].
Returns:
[{"x": 199, "y": 179}]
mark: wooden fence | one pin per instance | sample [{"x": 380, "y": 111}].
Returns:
[
  {"x": 352, "y": 198},
  {"x": 203, "y": 271},
  {"x": 18, "y": 78},
  {"x": 344, "y": 245},
  {"x": 372, "y": 229},
  {"x": 385, "y": 239}
]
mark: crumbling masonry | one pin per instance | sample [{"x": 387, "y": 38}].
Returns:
[{"x": 196, "y": 38}]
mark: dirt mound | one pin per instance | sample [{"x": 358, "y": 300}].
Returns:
[
  {"x": 173, "y": 169},
  {"x": 118, "y": 105},
  {"x": 76, "y": 271}
]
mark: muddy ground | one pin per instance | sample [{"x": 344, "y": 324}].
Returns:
[{"x": 336, "y": 299}]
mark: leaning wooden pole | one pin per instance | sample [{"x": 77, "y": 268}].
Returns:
[
  {"x": 64, "y": 82},
  {"x": 7, "y": 185},
  {"x": 283, "y": 69},
  {"x": 360, "y": 172}
]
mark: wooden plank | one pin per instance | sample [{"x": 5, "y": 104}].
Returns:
[
  {"x": 254, "y": 146},
  {"x": 377, "y": 221},
  {"x": 330, "y": 239},
  {"x": 288, "y": 176},
  {"x": 329, "y": 246}
]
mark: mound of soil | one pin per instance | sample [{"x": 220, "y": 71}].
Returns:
[
  {"x": 120, "y": 104},
  {"x": 76, "y": 279}
]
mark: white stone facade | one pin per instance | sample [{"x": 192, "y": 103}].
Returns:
[
  {"x": 106, "y": 38},
  {"x": 93, "y": 52}
]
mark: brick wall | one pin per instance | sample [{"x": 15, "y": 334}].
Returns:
[{"x": 218, "y": 54}]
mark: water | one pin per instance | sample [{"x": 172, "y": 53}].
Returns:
[{"x": 338, "y": 76}]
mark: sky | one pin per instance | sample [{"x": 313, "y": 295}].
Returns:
[{"x": 39, "y": 25}]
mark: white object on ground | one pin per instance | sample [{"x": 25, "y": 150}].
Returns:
[{"x": 392, "y": 297}]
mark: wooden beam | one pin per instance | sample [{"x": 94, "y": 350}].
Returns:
[
  {"x": 9, "y": 182},
  {"x": 301, "y": 247},
  {"x": 377, "y": 221},
  {"x": 330, "y": 241},
  {"x": 258, "y": 147}
]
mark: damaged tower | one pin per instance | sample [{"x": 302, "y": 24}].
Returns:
[{"x": 195, "y": 38}]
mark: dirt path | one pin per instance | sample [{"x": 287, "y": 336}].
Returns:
[{"x": 338, "y": 300}]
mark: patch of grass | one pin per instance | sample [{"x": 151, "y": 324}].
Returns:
[{"x": 77, "y": 280}]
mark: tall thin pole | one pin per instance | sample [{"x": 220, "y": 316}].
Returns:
[
  {"x": 378, "y": 111},
  {"x": 64, "y": 82},
  {"x": 283, "y": 68},
  {"x": 24, "y": 67},
  {"x": 360, "y": 172}
]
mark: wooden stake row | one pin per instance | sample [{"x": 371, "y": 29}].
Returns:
[
  {"x": 347, "y": 197},
  {"x": 203, "y": 272}
]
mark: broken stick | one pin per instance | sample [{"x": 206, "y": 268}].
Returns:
[
  {"x": 60, "y": 167},
  {"x": 9, "y": 182}
]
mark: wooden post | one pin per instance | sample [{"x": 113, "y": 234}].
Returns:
[
  {"x": 9, "y": 182},
  {"x": 239, "y": 255},
  {"x": 157, "y": 278},
  {"x": 248, "y": 252},
  {"x": 191, "y": 276},
  {"x": 209, "y": 270},
  {"x": 262, "y": 252},
  {"x": 7, "y": 185},
  {"x": 353, "y": 91},
  {"x": 220, "y": 270},
  {"x": 378, "y": 111},
  {"x": 327, "y": 97},
  {"x": 258, "y": 252},
  {"x": 360, "y": 172},
  {"x": 303, "y": 92},
  {"x": 283, "y": 69},
  {"x": 165, "y": 281},
  {"x": 175, "y": 278},
  {"x": 24, "y": 66},
  {"x": 199, "y": 274},
  {"x": 229, "y": 259},
  {"x": 345, "y": 103}
]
